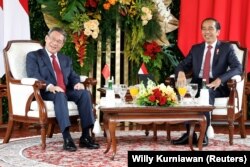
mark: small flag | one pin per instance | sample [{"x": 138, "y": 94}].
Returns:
[
  {"x": 143, "y": 69},
  {"x": 106, "y": 71}
]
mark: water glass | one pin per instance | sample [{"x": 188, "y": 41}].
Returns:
[
  {"x": 193, "y": 89},
  {"x": 122, "y": 90}
]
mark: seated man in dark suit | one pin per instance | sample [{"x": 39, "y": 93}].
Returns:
[
  {"x": 55, "y": 69},
  {"x": 220, "y": 67}
]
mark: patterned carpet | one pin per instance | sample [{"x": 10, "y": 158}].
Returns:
[{"x": 27, "y": 152}]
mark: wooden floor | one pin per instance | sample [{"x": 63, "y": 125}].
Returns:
[{"x": 32, "y": 130}]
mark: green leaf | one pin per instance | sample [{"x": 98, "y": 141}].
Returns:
[{"x": 74, "y": 7}]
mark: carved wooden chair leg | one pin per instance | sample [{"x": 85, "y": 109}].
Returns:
[
  {"x": 242, "y": 128},
  {"x": 231, "y": 132},
  {"x": 9, "y": 131}
]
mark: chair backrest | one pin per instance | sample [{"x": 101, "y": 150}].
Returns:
[
  {"x": 242, "y": 55},
  {"x": 15, "y": 67},
  {"x": 15, "y": 56}
]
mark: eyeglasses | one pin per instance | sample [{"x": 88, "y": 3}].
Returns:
[{"x": 58, "y": 41}]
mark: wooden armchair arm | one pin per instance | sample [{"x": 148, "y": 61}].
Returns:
[
  {"x": 89, "y": 82},
  {"x": 170, "y": 81},
  {"x": 37, "y": 86}
]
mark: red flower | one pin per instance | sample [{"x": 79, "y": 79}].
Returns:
[
  {"x": 80, "y": 41},
  {"x": 157, "y": 93},
  {"x": 151, "y": 49},
  {"x": 163, "y": 100},
  {"x": 151, "y": 98},
  {"x": 91, "y": 3}
]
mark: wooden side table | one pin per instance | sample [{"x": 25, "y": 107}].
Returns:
[{"x": 3, "y": 93}]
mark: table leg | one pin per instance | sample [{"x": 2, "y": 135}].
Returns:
[
  {"x": 203, "y": 126},
  {"x": 106, "y": 130},
  {"x": 191, "y": 134},
  {"x": 112, "y": 128}
]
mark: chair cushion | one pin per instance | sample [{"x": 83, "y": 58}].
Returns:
[
  {"x": 34, "y": 111},
  {"x": 221, "y": 104},
  {"x": 50, "y": 105}
]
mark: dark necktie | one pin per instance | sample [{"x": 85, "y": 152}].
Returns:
[
  {"x": 59, "y": 75},
  {"x": 206, "y": 68}
]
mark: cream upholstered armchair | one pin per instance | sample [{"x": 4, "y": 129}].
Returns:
[
  {"x": 24, "y": 100},
  {"x": 230, "y": 109}
]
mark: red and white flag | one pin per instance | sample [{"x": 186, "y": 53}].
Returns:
[
  {"x": 14, "y": 24},
  {"x": 106, "y": 72},
  {"x": 143, "y": 69}
]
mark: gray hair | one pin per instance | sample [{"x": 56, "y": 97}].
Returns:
[{"x": 60, "y": 30}]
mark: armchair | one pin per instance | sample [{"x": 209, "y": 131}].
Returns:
[
  {"x": 24, "y": 100},
  {"x": 230, "y": 109}
]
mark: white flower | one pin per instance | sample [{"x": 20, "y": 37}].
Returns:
[
  {"x": 94, "y": 34},
  {"x": 163, "y": 10},
  {"x": 91, "y": 28},
  {"x": 146, "y": 15},
  {"x": 144, "y": 22},
  {"x": 87, "y": 32}
]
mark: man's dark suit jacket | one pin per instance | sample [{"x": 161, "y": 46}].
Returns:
[
  {"x": 225, "y": 63},
  {"x": 45, "y": 71}
]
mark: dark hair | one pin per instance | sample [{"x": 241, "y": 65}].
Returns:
[
  {"x": 217, "y": 24},
  {"x": 60, "y": 30}
]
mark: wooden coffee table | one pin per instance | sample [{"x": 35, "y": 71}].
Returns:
[{"x": 142, "y": 114}]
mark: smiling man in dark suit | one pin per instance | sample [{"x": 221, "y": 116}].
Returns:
[
  {"x": 62, "y": 84},
  {"x": 223, "y": 64}
]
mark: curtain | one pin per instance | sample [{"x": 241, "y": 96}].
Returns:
[{"x": 233, "y": 15}]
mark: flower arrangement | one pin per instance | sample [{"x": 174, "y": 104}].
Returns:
[
  {"x": 156, "y": 95},
  {"x": 85, "y": 20}
]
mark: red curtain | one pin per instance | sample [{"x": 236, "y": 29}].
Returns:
[{"x": 234, "y": 16}]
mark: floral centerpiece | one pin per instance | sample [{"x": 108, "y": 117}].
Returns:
[{"x": 156, "y": 95}]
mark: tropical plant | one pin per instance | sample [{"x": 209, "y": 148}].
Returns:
[{"x": 86, "y": 20}]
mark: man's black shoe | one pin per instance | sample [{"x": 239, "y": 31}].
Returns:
[
  {"x": 88, "y": 142},
  {"x": 69, "y": 145},
  {"x": 184, "y": 139}
]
